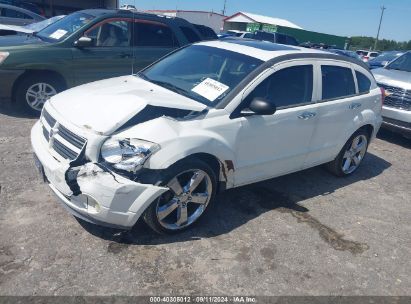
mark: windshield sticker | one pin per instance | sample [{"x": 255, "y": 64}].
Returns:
[
  {"x": 210, "y": 89},
  {"x": 58, "y": 34}
]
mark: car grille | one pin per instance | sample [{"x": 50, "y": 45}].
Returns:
[
  {"x": 63, "y": 141},
  {"x": 398, "y": 98}
]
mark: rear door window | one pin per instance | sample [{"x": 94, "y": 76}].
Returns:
[
  {"x": 364, "y": 83},
  {"x": 337, "y": 82},
  {"x": 154, "y": 35},
  {"x": 191, "y": 35}
]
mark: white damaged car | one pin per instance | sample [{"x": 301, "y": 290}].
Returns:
[{"x": 208, "y": 117}]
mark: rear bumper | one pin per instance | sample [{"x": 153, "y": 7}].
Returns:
[
  {"x": 7, "y": 79},
  {"x": 106, "y": 198}
]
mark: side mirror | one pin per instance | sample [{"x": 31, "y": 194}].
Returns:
[
  {"x": 83, "y": 42},
  {"x": 259, "y": 106}
]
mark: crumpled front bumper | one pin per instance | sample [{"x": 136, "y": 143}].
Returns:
[{"x": 106, "y": 198}]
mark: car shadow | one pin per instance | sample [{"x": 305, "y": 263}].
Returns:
[
  {"x": 238, "y": 206},
  {"x": 394, "y": 138},
  {"x": 10, "y": 109}
]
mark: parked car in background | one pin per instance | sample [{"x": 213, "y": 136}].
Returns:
[
  {"x": 395, "y": 78},
  {"x": 320, "y": 46},
  {"x": 367, "y": 55},
  {"x": 350, "y": 54},
  {"x": 6, "y": 30},
  {"x": 17, "y": 16},
  {"x": 383, "y": 59},
  {"x": 128, "y": 7},
  {"x": 85, "y": 46},
  {"x": 207, "y": 32},
  {"x": 274, "y": 37},
  {"x": 247, "y": 35},
  {"x": 212, "y": 116},
  {"x": 235, "y": 33},
  {"x": 24, "y": 4}
]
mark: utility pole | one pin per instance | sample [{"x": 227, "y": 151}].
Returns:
[
  {"x": 225, "y": 4},
  {"x": 383, "y": 8}
]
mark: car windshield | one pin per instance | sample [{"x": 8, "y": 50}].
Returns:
[
  {"x": 205, "y": 74},
  {"x": 38, "y": 26},
  {"x": 402, "y": 63},
  {"x": 63, "y": 28}
]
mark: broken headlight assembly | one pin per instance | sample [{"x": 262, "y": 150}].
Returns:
[{"x": 127, "y": 154}]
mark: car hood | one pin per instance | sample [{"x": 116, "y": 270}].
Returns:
[
  {"x": 393, "y": 78},
  {"x": 105, "y": 106},
  {"x": 17, "y": 40},
  {"x": 15, "y": 28}
]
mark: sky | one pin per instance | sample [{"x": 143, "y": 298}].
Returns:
[{"x": 338, "y": 17}]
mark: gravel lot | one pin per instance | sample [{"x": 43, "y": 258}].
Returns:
[{"x": 308, "y": 233}]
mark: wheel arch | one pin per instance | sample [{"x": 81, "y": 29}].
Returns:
[
  {"x": 369, "y": 129},
  {"x": 39, "y": 73}
]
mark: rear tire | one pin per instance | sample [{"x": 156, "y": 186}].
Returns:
[
  {"x": 183, "y": 205},
  {"x": 351, "y": 155},
  {"x": 34, "y": 90}
]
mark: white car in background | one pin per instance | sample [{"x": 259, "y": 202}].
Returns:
[
  {"x": 211, "y": 116},
  {"x": 128, "y": 7},
  {"x": 395, "y": 78},
  {"x": 367, "y": 55}
]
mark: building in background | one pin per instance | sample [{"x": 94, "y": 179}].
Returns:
[
  {"x": 243, "y": 21},
  {"x": 210, "y": 19},
  {"x": 64, "y": 7}
]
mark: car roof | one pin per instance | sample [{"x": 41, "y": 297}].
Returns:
[
  {"x": 262, "y": 50},
  {"x": 133, "y": 14},
  {"x": 270, "y": 52}
]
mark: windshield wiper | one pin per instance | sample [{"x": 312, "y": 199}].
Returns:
[{"x": 171, "y": 87}]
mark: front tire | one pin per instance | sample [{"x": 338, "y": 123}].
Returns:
[
  {"x": 192, "y": 185},
  {"x": 34, "y": 90},
  {"x": 351, "y": 155}
]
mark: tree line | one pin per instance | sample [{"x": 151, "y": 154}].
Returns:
[{"x": 367, "y": 43}]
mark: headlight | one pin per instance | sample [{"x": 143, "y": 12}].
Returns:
[
  {"x": 3, "y": 56},
  {"x": 127, "y": 154}
]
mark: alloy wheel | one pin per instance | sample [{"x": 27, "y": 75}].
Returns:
[
  {"x": 38, "y": 94},
  {"x": 189, "y": 195},
  {"x": 354, "y": 154}
]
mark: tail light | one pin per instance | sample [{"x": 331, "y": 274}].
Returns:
[
  {"x": 383, "y": 95},
  {"x": 365, "y": 58}
]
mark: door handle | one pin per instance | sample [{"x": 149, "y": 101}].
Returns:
[
  {"x": 355, "y": 105},
  {"x": 307, "y": 115}
]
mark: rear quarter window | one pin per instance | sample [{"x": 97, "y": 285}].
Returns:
[
  {"x": 190, "y": 34},
  {"x": 337, "y": 82},
  {"x": 364, "y": 83}
]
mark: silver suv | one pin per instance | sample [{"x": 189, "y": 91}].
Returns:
[{"x": 395, "y": 78}]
